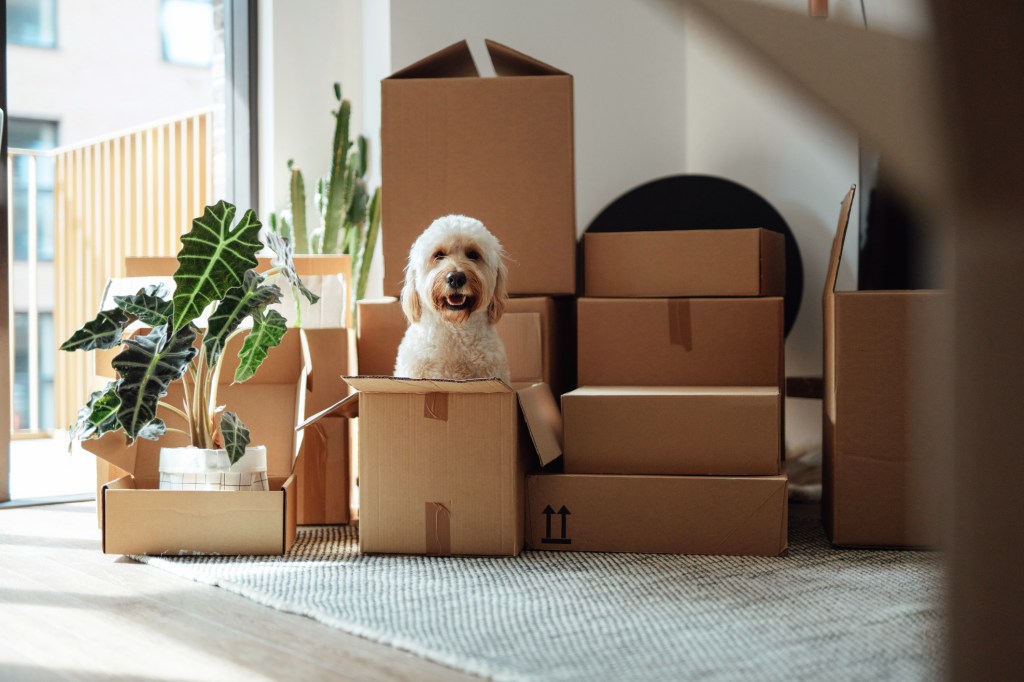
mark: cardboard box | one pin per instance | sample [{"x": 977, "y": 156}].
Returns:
[
  {"x": 743, "y": 262},
  {"x": 138, "y": 518},
  {"x": 680, "y": 342},
  {"x": 498, "y": 149},
  {"x": 324, "y": 467},
  {"x": 442, "y": 463},
  {"x": 661, "y": 514},
  {"x": 664, "y": 430},
  {"x": 536, "y": 332},
  {"x": 884, "y": 425}
]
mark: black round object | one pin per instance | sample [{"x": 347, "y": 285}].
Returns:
[{"x": 703, "y": 202}]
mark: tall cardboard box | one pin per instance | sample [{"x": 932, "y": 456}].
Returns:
[
  {"x": 137, "y": 517},
  {"x": 498, "y": 149},
  {"x": 684, "y": 263},
  {"x": 443, "y": 463},
  {"x": 741, "y": 515},
  {"x": 680, "y": 341},
  {"x": 883, "y": 426},
  {"x": 673, "y": 430}
]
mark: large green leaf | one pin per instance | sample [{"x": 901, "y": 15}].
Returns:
[
  {"x": 153, "y": 430},
  {"x": 285, "y": 261},
  {"x": 267, "y": 332},
  {"x": 147, "y": 365},
  {"x": 252, "y": 297},
  {"x": 213, "y": 259},
  {"x": 150, "y": 304},
  {"x": 99, "y": 415},
  {"x": 235, "y": 434},
  {"x": 103, "y": 332}
]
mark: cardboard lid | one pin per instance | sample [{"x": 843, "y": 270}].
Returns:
[
  {"x": 584, "y": 391},
  {"x": 543, "y": 421},
  {"x": 384, "y": 384},
  {"x": 509, "y": 62},
  {"x": 837, "y": 243},
  {"x": 454, "y": 61}
]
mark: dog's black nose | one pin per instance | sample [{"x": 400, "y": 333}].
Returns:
[{"x": 455, "y": 279}]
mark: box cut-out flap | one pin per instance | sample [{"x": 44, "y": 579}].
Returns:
[
  {"x": 543, "y": 420},
  {"x": 837, "y": 243},
  {"x": 454, "y": 61}
]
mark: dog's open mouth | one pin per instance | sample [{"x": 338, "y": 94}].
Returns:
[{"x": 457, "y": 301}]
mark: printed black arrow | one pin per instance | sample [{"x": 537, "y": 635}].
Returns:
[{"x": 548, "y": 513}]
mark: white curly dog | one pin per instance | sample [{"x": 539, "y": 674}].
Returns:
[{"x": 455, "y": 291}]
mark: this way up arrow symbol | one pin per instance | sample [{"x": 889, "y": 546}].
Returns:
[{"x": 548, "y": 513}]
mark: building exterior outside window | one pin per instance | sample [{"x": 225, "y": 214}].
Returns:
[{"x": 32, "y": 23}]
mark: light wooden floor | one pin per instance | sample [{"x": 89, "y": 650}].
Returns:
[{"x": 67, "y": 611}]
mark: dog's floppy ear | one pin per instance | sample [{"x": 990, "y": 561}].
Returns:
[
  {"x": 411, "y": 305},
  {"x": 496, "y": 308}
]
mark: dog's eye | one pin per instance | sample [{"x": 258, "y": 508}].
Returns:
[
  {"x": 439, "y": 255},
  {"x": 472, "y": 255}
]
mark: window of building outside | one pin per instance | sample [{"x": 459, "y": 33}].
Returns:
[
  {"x": 52, "y": 103},
  {"x": 32, "y": 23},
  {"x": 183, "y": 37}
]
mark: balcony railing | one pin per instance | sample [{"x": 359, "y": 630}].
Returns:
[{"x": 130, "y": 194}]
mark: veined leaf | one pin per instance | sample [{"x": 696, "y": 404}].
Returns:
[
  {"x": 235, "y": 434},
  {"x": 103, "y": 332},
  {"x": 250, "y": 298},
  {"x": 284, "y": 259},
  {"x": 99, "y": 415},
  {"x": 147, "y": 366},
  {"x": 267, "y": 332},
  {"x": 150, "y": 304},
  {"x": 213, "y": 259},
  {"x": 153, "y": 430}
]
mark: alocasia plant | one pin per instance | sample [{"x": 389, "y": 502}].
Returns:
[{"x": 216, "y": 266}]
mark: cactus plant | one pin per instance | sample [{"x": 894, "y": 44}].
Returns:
[{"x": 349, "y": 214}]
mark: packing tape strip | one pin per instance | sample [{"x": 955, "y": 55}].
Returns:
[
  {"x": 438, "y": 529},
  {"x": 435, "y": 406},
  {"x": 680, "y": 327}
]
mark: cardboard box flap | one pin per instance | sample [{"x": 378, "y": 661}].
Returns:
[
  {"x": 837, "y": 243},
  {"x": 454, "y": 61},
  {"x": 347, "y": 408},
  {"x": 543, "y": 420},
  {"x": 367, "y": 384},
  {"x": 520, "y": 334},
  {"x": 509, "y": 62},
  {"x": 112, "y": 448}
]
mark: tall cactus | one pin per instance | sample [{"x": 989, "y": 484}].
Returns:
[
  {"x": 297, "y": 192},
  {"x": 340, "y": 180}
]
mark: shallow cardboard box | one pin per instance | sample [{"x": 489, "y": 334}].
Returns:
[
  {"x": 666, "y": 430},
  {"x": 442, "y": 463},
  {"x": 138, "y": 518},
  {"x": 324, "y": 467},
  {"x": 742, "y": 262},
  {"x": 535, "y": 331},
  {"x": 498, "y": 149},
  {"x": 661, "y": 514},
  {"x": 680, "y": 341},
  {"x": 884, "y": 426}
]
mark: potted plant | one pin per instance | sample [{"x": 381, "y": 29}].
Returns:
[{"x": 216, "y": 270}]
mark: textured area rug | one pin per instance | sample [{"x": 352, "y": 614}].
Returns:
[{"x": 819, "y": 613}]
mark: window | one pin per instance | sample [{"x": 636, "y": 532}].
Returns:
[
  {"x": 32, "y": 134},
  {"x": 186, "y": 32},
  {"x": 32, "y": 23},
  {"x": 20, "y": 389}
]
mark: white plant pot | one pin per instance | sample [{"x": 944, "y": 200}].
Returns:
[{"x": 194, "y": 468}]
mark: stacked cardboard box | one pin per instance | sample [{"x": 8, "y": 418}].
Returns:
[{"x": 673, "y": 443}]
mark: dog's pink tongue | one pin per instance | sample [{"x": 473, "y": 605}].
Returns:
[{"x": 456, "y": 299}]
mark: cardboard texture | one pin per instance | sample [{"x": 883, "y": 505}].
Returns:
[
  {"x": 453, "y": 142},
  {"x": 138, "y": 518},
  {"x": 680, "y": 342},
  {"x": 660, "y": 514},
  {"x": 673, "y": 431},
  {"x": 684, "y": 263},
  {"x": 442, "y": 463},
  {"x": 323, "y": 469},
  {"x": 535, "y": 331},
  {"x": 883, "y": 423}
]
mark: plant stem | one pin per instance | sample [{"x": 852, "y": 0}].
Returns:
[
  {"x": 173, "y": 409},
  {"x": 271, "y": 272},
  {"x": 172, "y": 429}
]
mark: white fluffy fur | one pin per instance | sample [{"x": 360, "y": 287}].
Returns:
[{"x": 444, "y": 342}]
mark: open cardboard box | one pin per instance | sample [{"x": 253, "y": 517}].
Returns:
[
  {"x": 443, "y": 463},
  {"x": 673, "y": 430},
  {"x": 741, "y": 515},
  {"x": 687, "y": 263},
  {"x": 883, "y": 422},
  {"x": 138, "y": 518},
  {"x": 498, "y": 149}
]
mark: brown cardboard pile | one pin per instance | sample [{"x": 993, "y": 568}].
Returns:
[{"x": 673, "y": 443}]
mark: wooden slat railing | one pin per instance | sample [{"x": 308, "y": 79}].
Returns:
[{"x": 132, "y": 194}]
